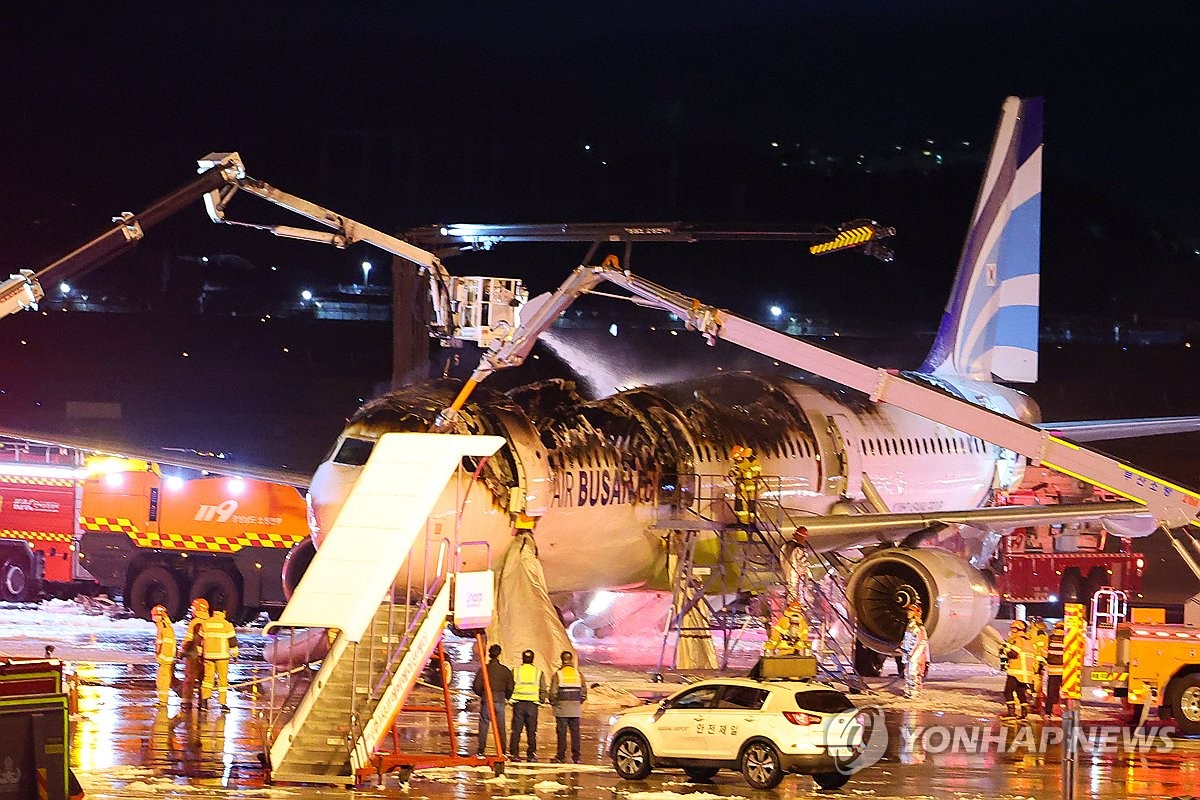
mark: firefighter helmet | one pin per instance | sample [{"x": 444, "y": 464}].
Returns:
[
  {"x": 1019, "y": 625},
  {"x": 158, "y": 611},
  {"x": 741, "y": 451},
  {"x": 199, "y": 606}
]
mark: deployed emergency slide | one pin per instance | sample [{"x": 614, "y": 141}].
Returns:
[{"x": 387, "y": 624}]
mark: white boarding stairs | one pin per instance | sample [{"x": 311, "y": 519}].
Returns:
[{"x": 381, "y": 647}]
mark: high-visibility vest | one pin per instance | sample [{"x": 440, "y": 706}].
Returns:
[
  {"x": 528, "y": 680},
  {"x": 219, "y": 638},
  {"x": 570, "y": 685},
  {"x": 164, "y": 641},
  {"x": 1023, "y": 665}
]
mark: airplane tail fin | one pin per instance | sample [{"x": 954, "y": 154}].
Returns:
[{"x": 990, "y": 326}]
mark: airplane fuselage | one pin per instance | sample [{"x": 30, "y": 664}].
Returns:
[{"x": 605, "y": 479}]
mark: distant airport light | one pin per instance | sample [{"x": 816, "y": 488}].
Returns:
[
  {"x": 236, "y": 486},
  {"x": 1053, "y": 598},
  {"x": 306, "y": 295},
  {"x": 64, "y": 287},
  {"x": 612, "y": 329},
  {"x": 776, "y": 311},
  {"x": 174, "y": 483},
  {"x": 366, "y": 268},
  {"x": 204, "y": 259}
]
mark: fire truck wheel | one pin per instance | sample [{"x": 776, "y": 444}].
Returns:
[
  {"x": 220, "y": 590},
  {"x": 16, "y": 580},
  {"x": 1185, "y": 704},
  {"x": 155, "y": 585}
]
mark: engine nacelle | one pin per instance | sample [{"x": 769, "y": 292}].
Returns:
[{"x": 957, "y": 599}]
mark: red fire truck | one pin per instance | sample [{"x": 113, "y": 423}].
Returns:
[{"x": 1057, "y": 563}]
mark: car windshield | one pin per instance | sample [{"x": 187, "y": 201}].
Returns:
[
  {"x": 354, "y": 452},
  {"x": 823, "y": 701}
]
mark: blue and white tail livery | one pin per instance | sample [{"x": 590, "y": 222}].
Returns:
[{"x": 990, "y": 327}]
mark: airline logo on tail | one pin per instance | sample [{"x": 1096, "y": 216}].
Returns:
[{"x": 990, "y": 327}]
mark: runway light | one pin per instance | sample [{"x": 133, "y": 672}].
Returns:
[
  {"x": 776, "y": 311},
  {"x": 612, "y": 329},
  {"x": 64, "y": 287},
  {"x": 306, "y": 295}
]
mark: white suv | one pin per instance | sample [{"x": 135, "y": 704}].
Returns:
[{"x": 765, "y": 729}]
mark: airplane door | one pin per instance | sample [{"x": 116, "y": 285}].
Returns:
[{"x": 847, "y": 464}]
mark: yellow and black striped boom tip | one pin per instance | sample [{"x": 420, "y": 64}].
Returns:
[{"x": 852, "y": 237}]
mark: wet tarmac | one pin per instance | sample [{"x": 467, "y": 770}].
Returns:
[
  {"x": 947, "y": 745},
  {"x": 126, "y": 745}
]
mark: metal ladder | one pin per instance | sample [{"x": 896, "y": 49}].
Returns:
[
  {"x": 326, "y": 738},
  {"x": 750, "y": 559}
]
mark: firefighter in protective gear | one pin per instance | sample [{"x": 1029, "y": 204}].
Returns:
[
  {"x": 1055, "y": 650},
  {"x": 192, "y": 651},
  {"x": 789, "y": 634},
  {"x": 219, "y": 646},
  {"x": 745, "y": 475},
  {"x": 529, "y": 691},
  {"x": 1020, "y": 656},
  {"x": 164, "y": 651},
  {"x": 915, "y": 647}
]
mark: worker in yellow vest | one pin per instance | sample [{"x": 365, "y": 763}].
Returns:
[
  {"x": 529, "y": 691},
  {"x": 745, "y": 475},
  {"x": 220, "y": 645},
  {"x": 164, "y": 651},
  {"x": 191, "y": 652},
  {"x": 789, "y": 635},
  {"x": 1020, "y": 662},
  {"x": 568, "y": 691}
]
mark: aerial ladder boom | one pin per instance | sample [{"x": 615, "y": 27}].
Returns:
[
  {"x": 1171, "y": 505},
  {"x": 468, "y": 308}
]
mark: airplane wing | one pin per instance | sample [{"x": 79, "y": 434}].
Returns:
[
  {"x": 837, "y": 531},
  {"x": 178, "y": 458},
  {"x": 1096, "y": 430}
]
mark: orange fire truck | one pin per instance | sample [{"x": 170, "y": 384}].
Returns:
[{"x": 69, "y": 524}]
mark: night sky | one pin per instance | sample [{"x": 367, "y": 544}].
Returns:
[
  {"x": 435, "y": 112},
  {"x": 409, "y": 113}
]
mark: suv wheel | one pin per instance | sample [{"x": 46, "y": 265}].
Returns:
[
  {"x": 631, "y": 756},
  {"x": 831, "y": 780},
  {"x": 701, "y": 774},
  {"x": 760, "y": 765}
]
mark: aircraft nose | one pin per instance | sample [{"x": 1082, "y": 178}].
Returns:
[{"x": 327, "y": 493}]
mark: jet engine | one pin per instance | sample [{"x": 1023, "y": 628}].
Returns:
[{"x": 958, "y": 601}]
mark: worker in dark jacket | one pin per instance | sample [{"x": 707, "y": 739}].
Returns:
[
  {"x": 1055, "y": 649},
  {"x": 568, "y": 691},
  {"x": 529, "y": 691},
  {"x": 500, "y": 678}
]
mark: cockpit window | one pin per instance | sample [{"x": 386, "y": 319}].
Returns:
[{"x": 354, "y": 452}]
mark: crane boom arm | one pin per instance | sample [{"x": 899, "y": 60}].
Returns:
[{"x": 1171, "y": 505}]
